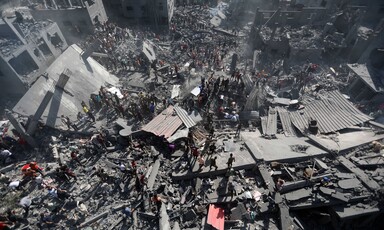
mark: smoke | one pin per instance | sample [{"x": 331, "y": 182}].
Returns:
[{"x": 243, "y": 11}]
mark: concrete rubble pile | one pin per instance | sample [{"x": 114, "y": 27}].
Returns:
[
  {"x": 8, "y": 46},
  {"x": 209, "y": 127}
]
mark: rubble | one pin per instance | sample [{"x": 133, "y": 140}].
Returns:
[{"x": 214, "y": 125}]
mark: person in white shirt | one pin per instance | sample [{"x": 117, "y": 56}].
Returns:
[{"x": 5, "y": 155}]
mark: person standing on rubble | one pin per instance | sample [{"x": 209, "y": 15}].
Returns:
[
  {"x": 124, "y": 171},
  {"x": 25, "y": 203},
  {"x": 237, "y": 134},
  {"x": 195, "y": 152},
  {"x": 67, "y": 171},
  {"x": 66, "y": 121},
  {"x": 279, "y": 184},
  {"x": 213, "y": 163},
  {"x": 211, "y": 132},
  {"x": 152, "y": 108},
  {"x": 231, "y": 159},
  {"x": 89, "y": 113},
  {"x": 127, "y": 211},
  {"x": 31, "y": 168},
  {"x": 231, "y": 189},
  {"x": 46, "y": 220},
  {"x": 157, "y": 200},
  {"x": 133, "y": 164},
  {"x": 201, "y": 162},
  {"x": 176, "y": 69},
  {"x": 117, "y": 99},
  {"x": 75, "y": 157}
]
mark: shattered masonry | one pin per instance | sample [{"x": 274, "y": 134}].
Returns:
[{"x": 214, "y": 115}]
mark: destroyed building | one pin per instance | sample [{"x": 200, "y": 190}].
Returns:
[
  {"x": 156, "y": 13},
  {"x": 28, "y": 47},
  {"x": 276, "y": 31},
  {"x": 196, "y": 2},
  {"x": 76, "y": 18},
  {"x": 243, "y": 115}
]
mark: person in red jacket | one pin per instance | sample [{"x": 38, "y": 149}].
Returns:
[
  {"x": 34, "y": 166},
  {"x": 4, "y": 225}
]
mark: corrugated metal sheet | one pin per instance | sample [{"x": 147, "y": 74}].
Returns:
[
  {"x": 166, "y": 123},
  {"x": 251, "y": 103},
  {"x": 333, "y": 112},
  {"x": 289, "y": 129},
  {"x": 255, "y": 98},
  {"x": 183, "y": 115},
  {"x": 216, "y": 217}
]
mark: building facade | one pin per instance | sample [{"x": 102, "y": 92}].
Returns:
[
  {"x": 28, "y": 47},
  {"x": 155, "y": 13},
  {"x": 76, "y": 18}
]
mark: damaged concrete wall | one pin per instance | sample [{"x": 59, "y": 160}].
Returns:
[
  {"x": 28, "y": 47},
  {"x": 153, "y": 12},
  {"x": 10, "y": 83},
  {"x": 75, "y": 23}
]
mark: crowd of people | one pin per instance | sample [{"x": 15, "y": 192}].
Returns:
[{"x": 220, "y": 97}]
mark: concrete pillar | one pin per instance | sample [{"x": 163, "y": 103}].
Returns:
[
  {"x": 34, "y": 58},
  {"x": 39, "y": 112},
  {"x": 283, "y": 19},
  {"x": 41, "y": 54},
  {"x": 257, "y": 20},
  {"x": 21, "y": 130},
  {"x": 51, "y": 47},
  {"x": 54, "y": 4}
]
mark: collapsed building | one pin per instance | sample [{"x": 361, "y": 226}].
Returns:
[
  {"x": 28, "y": 47},
  {"x": 76, "y": 18},
  {"x": 156, "y": 13},
  {"x": 215, "y": 126},
  {"x": 272, "y": 29}
]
